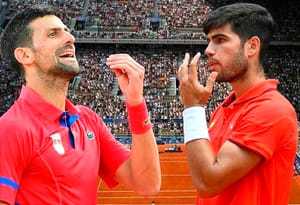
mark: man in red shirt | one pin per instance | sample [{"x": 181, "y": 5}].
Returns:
[
  {"x": 246, "y": 154},
  {"x": 51, "y": 151}
]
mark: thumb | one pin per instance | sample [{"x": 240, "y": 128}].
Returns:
[{"x": 211, "y": 81}]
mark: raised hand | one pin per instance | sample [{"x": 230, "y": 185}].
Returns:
[
  {"x": 192, "y": 93},
  {"x": 130, "y": 75}
]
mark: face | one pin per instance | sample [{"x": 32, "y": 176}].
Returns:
[
  {"x": 53, "y": 48},
  {"x": 226, "y": 55}
]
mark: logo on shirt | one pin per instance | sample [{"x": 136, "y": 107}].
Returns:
[
  {"x": 231, "y": 125},
  {"x": 90, "y": 135},
  {"x": 212, "y": 124},
  {"x": 57, "y": 143}
]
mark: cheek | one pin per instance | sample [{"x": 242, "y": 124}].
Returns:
[
  {"x": 225, "y": 59},
  {"x": 47, "y": 53},
  {"x": 45, "y": 59},
  {"x": 228, "y": 55}
]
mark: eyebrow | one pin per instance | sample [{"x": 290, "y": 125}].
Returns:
[
  {"x": 60, "y": 29},
  {"x": 218, "y": 35}
]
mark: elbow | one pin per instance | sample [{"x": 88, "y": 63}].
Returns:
[
  {"x": 155, "y": 188},
  {"x": 206, "y": 193},
  {"x": 150, "y": 188},
  {"x": 151, "y": 191},
  {"x": 205, "y": 190},
  {"x": 149, "y": 182}
]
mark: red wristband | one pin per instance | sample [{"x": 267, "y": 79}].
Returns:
[{"x": 138, "y": 118}]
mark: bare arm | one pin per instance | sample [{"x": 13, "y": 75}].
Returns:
[
  {"x": 3, "y": 203},
  {"x": 211, "y": 172},
  {"x": 142, "y": 171}
]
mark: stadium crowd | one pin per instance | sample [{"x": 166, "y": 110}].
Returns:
[
  {"x": 96, "y": 85},
  {"x": 164, "y": 19}
]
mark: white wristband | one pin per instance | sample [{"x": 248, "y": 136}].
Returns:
[{"x": 194, "y": 124}]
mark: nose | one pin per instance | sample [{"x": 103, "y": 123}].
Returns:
[
  {"x": 70, "y": 38},
  {"x": 209, "y": 51}
]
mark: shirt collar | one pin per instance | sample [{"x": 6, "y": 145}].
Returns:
[
  {"x": 43, "y": 107},
  {"x": 257, "y": 90}
]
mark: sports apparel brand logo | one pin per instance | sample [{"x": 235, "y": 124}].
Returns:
[
  {"x": 57, "y": 143},
  {"x": 212, "y": 124},
  {"x": 90, "y": 135}
]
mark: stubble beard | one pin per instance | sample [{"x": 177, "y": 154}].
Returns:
[
  {"x": 59, "y": 73},
  {"x": 67, "y": 71},
  {"x": 63, "y": 71},
  {"x": 235, "y": 71}
]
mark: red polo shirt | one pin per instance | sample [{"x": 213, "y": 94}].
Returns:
[
  {"x": 263, "y": 121},
  {"x": 38, "y": 164}
]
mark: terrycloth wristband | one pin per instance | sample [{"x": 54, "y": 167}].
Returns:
[
  {"x": 138, "y": 118},
  {"x": 194, "y": 124}
]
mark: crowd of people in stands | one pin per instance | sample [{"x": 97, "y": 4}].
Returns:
[
  {"x": 164, "y": 19},
  {"x": 97, "y": 82},
  {"x": 96, "y": 85}
]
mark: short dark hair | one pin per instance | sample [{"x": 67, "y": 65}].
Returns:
[
  {"x": 246, "y": 20},
  {"x": 17, "y": 33}
]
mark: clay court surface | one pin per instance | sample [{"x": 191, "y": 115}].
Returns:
[{"x": 176, "y": 188}]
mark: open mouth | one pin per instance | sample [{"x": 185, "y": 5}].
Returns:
[{"x": 67, "y": 54}]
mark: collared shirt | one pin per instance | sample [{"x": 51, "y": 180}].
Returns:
[
  {"x": 263, "y": 121},
  {"x": 39, "y": 163}
]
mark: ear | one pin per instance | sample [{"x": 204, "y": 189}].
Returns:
[
  {"x": 23, "y": 55},
  {"x": 252, "y": 46}
]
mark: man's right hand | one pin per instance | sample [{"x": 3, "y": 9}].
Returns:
[{"x": 192, "y": 93}]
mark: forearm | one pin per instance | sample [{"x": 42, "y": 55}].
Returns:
[
  {"x": 213, "y": 172},
  {"x": 206, "y": 170},
  {"x": 145, "y": 164},
  {"x": 204, "y": 167},
  {"x": 144, "y": 161}
]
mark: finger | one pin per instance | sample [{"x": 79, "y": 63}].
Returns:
[
  {"x": 183, "y": 69},
  {"x": 118, "y": 72},
  {"x": 124, "y": 59},
  {"x": 117, "y": 56},
  {"x": 126, "y": 67},
  {"x": 123, "y": 68},
  {"x": 194, "y": 66},
  {"x": 211, "y": 81}
]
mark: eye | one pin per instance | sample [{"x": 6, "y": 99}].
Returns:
[
  {"x": 220, "y": 40},
  {"x": 52, "y": 34}
]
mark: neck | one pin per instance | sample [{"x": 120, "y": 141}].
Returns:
[
  {"x": 249, "y": 80},
  {"x": 54, "y": 93}
]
